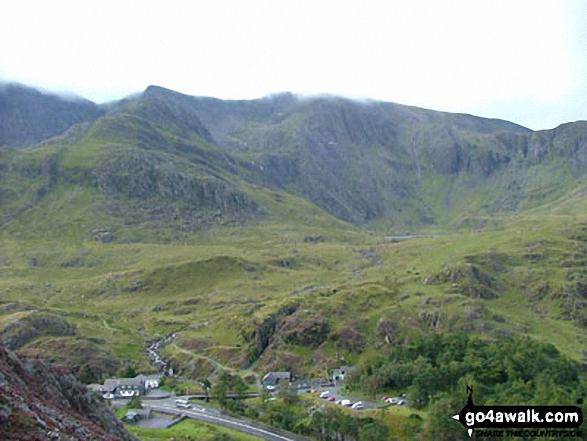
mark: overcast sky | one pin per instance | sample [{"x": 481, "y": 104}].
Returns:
[{"x": 524, "y": 61}]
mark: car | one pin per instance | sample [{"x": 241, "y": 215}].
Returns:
[
  {"x": 108, "y": 396},
  {"x": 325, "y": 394},
  {"x": 393, "y": 400},
  {"x": 358, "y": 405},
  {"x": 271, "y": 388},
  {"x": 384, "y": 397},
  {"x": 331, "y": 398},
  {"x": 402, "y": 402},
  {"x": 183, "y": 403},
  {"x": 347, "y": 403}
]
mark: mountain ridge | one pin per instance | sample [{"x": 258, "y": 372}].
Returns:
[{"x": 376, "y": 164}]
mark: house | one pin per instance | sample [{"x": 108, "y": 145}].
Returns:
[
  {"x": 127, "y": 387},
  {"x": 273, "y": 378},
  {"x": 339, "y": 373},
  {"x": 124, "y": 387},
  {"x": 150, "y": 381}
]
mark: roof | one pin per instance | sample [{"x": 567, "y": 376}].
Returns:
[
  {"x": 156, "y": 377},
  {"x": 277, "y": 376},
  {"x": 112, "y": 383},
  {"x": 342, "y": 369}
]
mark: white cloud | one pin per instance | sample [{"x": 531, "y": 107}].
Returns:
[{"x": 450, "y": 55}]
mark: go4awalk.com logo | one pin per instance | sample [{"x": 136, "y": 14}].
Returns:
[{"x": 520, "y": 421}]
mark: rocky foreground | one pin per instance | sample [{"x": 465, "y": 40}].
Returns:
[{"x": 41, "y": 402}]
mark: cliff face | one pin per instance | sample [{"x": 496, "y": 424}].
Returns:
[{"x": 38, "y": 402}]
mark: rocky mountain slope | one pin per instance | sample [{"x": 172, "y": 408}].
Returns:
[
  {"x": 38, "y": 402},
  {"x": 409, "y": 167},
  {"x": 165, "y": 156}
]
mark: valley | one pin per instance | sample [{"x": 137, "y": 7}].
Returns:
[{"x": 296, "y": 235}]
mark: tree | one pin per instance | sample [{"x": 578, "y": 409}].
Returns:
[
  {"x": 411, "y": 426},
  {"x": 441, "y": 425},
  {"x": 228, "y": 384},
  {"x": 206, "y": 385},
  {"x": 130, "y": 372},
  {"x": 135, "y": 403},
  {"x": 374, "y": 431}
]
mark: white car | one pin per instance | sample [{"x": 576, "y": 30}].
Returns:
[
  {"x": 183, "y": 403},
  {"x": 358, "y": 405},
  {"x": 325, "y": 394},
  {"x": 346, "y": 403}
]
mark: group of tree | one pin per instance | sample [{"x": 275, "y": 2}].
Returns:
[
  {"x": 228, "y": 392},
  {"x": 332, "y": 424},
  {"x": 434, "y": 370}
]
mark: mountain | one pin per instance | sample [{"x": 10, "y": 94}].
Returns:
[
  {"x": 385, "y": 164},
  {"x": 381, "y": 165},
  {"x": 28, "y": 116},
  {"x": 289, "y": 233}
]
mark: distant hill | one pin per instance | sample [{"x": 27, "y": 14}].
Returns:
[{"x": 28, "y": 116}]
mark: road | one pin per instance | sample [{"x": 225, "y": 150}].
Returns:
[{"x": 214, "y": 416}]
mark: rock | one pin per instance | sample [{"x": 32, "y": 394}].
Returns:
[{"x": 38, "y": 402}]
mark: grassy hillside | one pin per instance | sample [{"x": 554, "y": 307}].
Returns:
[{"x": 143, "y": 224}]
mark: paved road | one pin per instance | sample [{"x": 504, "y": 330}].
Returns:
[{"x": 211, "y": 415}]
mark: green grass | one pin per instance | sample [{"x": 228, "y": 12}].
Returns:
[{"x": 188, "y": 428}]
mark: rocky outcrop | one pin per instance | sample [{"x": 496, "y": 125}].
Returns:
[
  {"x": 304, "y": 331},
  {"x": 160, "y": 179},
  {"x": 469, "y": 280},
  {"x": 39, "y": 402},
  {"x": 260, "y": 338},
  {"x": 17, "y": 333}
]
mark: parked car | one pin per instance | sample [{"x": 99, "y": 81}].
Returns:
[
  {"x": 358, "y": 405},
  {"x": 347, "y": 403},
  {"x": 183, "y": 403},
  {"x": 402, "y": 402},
  {"x": 393, "y": 400},
  {"x": 331, "y": 398},
  {"x": 325, "y": 394}
]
